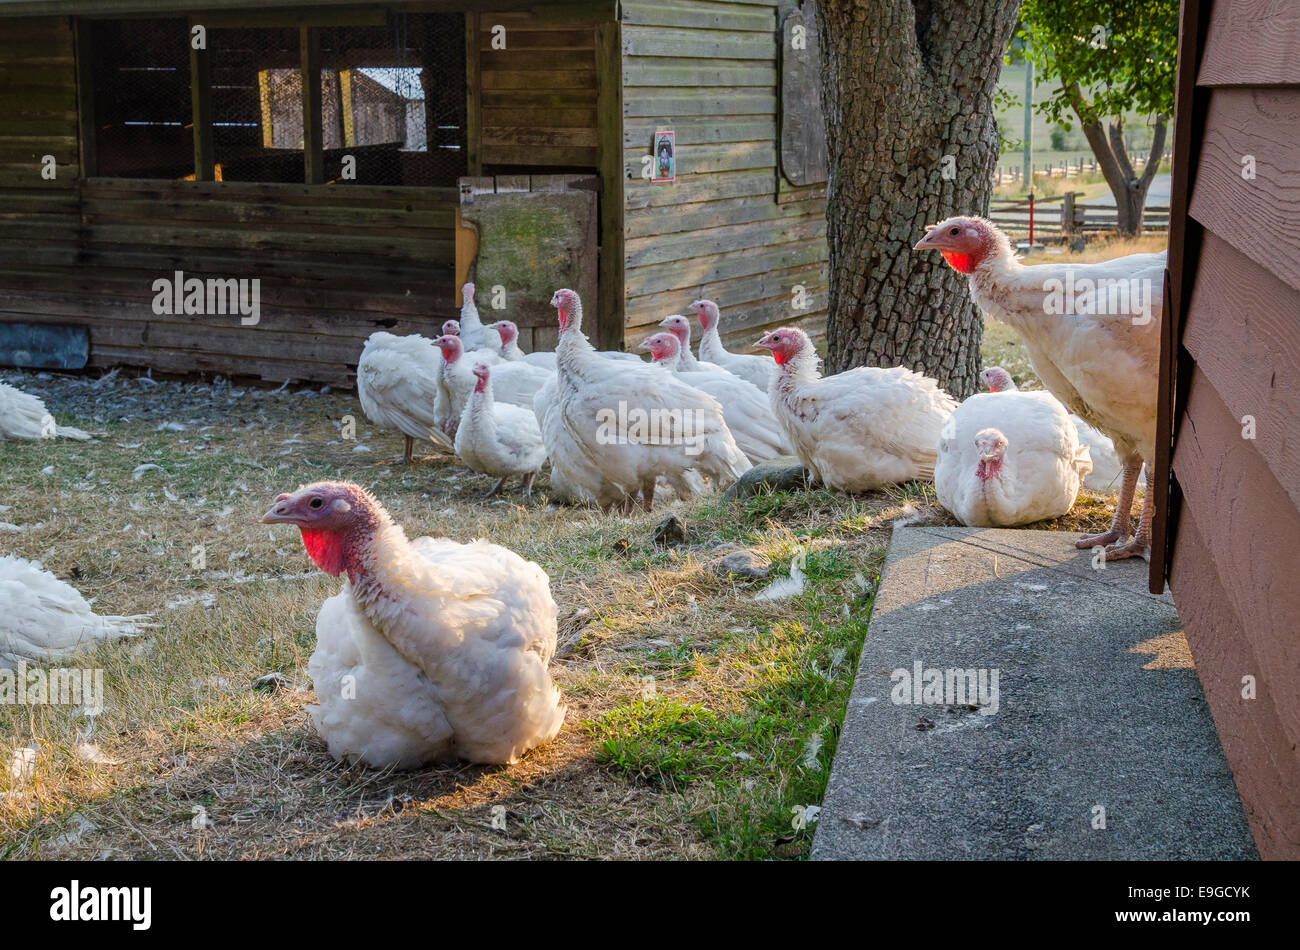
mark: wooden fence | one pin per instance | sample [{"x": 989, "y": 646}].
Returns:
[
  {"x": 1064, "y": 169},
  {"x": 1063, "y": 218}
]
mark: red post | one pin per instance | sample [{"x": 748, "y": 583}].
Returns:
[{"x": 1031, "y": 219}]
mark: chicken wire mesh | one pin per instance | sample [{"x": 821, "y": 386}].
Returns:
[
  {"x": 141, "y": 71},
  {"x": 393, "y": 101}
]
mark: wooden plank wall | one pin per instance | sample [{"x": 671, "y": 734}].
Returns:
[
  {"x": 709, "y": 71},
  {"x": 538, "y": 95},
  {"x": 335, "y": 263},
  {"x": 1232, "y": 566}
]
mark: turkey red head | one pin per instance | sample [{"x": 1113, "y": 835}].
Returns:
[
  {"x": 679, "y": 327},
  {"x": 337, "y": 520},
  {"x": 507, "y": 330},
  {"x": 998, "y": 380},
  {"x": 964, "y": 242},
  {"x": 663, "y": 347},
  {"x": 786, "y": 344},
  {"x": 481, "y": 376},
  {"x": 451, "y": 328},
  {"x": 451, "y": 347},
  {"x": 992, "y": 446},
  {"x": 707, "y": 312},
  {"x": 569, "y": 308}
]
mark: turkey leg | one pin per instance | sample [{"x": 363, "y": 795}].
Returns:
[
  {"x": 1119, "y": 528},
  {"x": 1140, "y": 546}
]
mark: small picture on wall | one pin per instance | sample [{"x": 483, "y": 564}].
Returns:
[{"x": 665, "y": 157}]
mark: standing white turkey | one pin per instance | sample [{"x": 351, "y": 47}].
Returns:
[
  {"x": 745, "y": 408},
  {"x": 498, "y": 438},
  {"x": 433, "y": 649},
  {"x": 859, "y": 429},
  {"x": 455, "y": 380},
  {"x": 1093, "y": 336},
  {"x": 757, "y": 369},
  {"x": 612, "y": 429},
  {"x": 680, "y": 327},
  {"x": 397, "y": 384},
  {"x": 24, "y": 416},
  {"x": 473, "y": 333},
  {"x": 43, "y": 619},
  {"x": 1009, "y": 459},
  {"x": 1106, "y": 466},
  {"x": 510, "y": 351}
]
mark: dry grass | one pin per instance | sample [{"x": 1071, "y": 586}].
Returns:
[{"x": 740, "y": 726}]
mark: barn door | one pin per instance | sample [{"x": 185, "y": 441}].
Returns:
[{"x": 520, "y": 238}]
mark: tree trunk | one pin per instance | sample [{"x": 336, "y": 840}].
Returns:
[
  {"x": 908, "y": 95},
  {"x": 1129, "y": 189}
]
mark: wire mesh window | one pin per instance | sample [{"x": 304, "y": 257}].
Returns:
[
  {"x": 393, "y": 100},
  {"x": 141, "y": 74}
]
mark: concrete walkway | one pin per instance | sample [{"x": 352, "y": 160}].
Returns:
[{"x": 1097, "y": 707}]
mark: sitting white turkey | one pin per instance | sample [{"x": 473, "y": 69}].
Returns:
[
  {"x": 23, "y": 416},
  {"x": 397, "y": 384},
  {"x": 745, "y": 408},
  {"x": 455, "y": 380},
  {"x": 612, "y": 429},
  {"x": 44, "y": 619},
  {"x": 473, "y": 333},
  {"x": 757, "y": 369},
  {"x": 1106, "y": 466},
  {"x": 1009, "y": 459},
  {"x": 860, "y": 429},
  {"x": 433, "y": 650},
  {"x": 499, "y": 439}
]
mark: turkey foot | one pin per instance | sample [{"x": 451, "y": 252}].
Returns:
[
  {"x": 409, "y": 455},
  {"x": 1140, "y": 546},
  {"x": 1119, "y": 528},
  {"x": 495, "y": 488},
  {"x": 528, "y": 484}
]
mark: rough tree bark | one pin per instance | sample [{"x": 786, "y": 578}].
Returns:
[
  {"x": 1129, "y": 189},
  {"x": 908, "y": 95}
]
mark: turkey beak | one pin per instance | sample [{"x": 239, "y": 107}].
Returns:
[
  {"x": 284, "y": 511},
  {"x": 765, "y": 342},
  {"x": 932, "y": 241}
]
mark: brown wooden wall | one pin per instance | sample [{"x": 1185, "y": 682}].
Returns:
[
  {"x": 335, "y": 263},
  {"x": 538, "y": 95},
  {"x": 709, "y": 71},
  {"x": 1234, "y": 347}
]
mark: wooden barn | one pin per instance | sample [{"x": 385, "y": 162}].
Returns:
[
  {"x": 361, "y": 161},
  {"x": 1230, "y": 393}
]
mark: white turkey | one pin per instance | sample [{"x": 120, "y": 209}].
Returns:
[
  {"x": 859, "y": 429},
  {"x": 680, "y": 327},
  {"x": 1107, "y": 469},
  {"x": 510, "y": 351},
  {"x": 397, "y": 385},
  {"x": 473, "y": 333},
  {"x": 757, "y": 369},
  {"x": 746, "y": 409},
  {"x": 499, "y": 439},
  {"x": 45, "y": 620},
  {"x": 455, "y": 380},
  {"x": 1093, "y": 336},
  {"x": 612, "y": 428},
  {"x": 433, "y": 650},
  {"x": 451, "y": 328},
  {"x": 24, "y": 416},
  {"x": 1009, "y": 459}
]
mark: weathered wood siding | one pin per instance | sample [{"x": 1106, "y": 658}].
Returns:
[
  {"x": 709, "y": 72},
  {"x": 38, "y": 102},
  {"x": 1234, "y": 347},
  {"x": 538, "y": 96}
]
